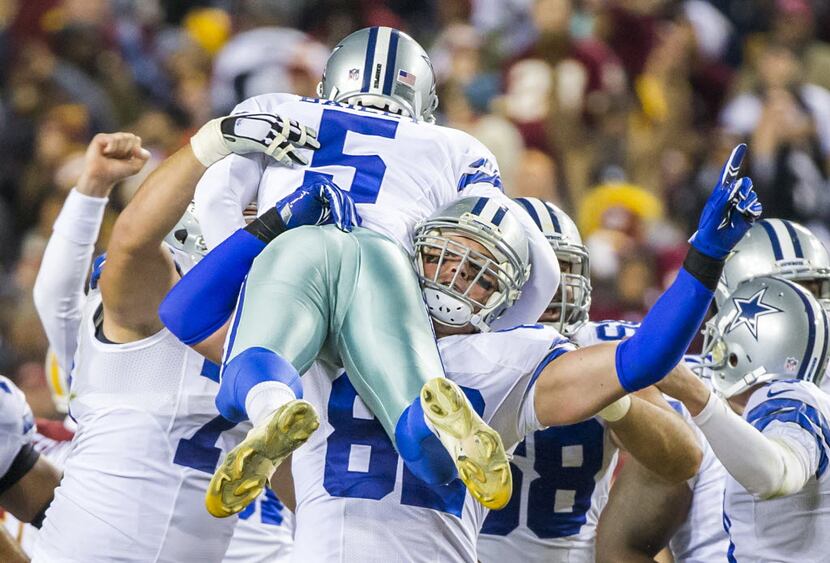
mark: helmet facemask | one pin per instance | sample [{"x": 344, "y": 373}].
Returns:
[
  {"x": 468, "y": 286},
  {"x": 568, "y": 310},
  {"x": 186, "y": 242}
]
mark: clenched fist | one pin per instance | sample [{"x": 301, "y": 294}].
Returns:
[{"x": 110, "y": 157}]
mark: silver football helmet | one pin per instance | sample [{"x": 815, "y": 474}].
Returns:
[
  {"x": 573, "y": 298},
  {"x": 383, "y": 68},
  {"x": 505, "y": 265},
  {"x": 185, "y": 241},
  {"x": 768, "y": 328},
  {"x": 781, "y": 248}
]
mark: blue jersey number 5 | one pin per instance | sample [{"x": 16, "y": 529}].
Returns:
[{"x": 369, "y": 170}]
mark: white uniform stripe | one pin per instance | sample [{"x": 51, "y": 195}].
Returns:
[
  {"x": 381, "y": 53},
  {"x": 490, "y": 209},
  {"x": 544, "y": 215},
  {"x": 784, "y": 239}
]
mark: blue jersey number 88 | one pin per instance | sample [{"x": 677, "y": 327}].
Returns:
[
  {"x": 366, "y": 439},
  {"x": 565, "y": 461}
]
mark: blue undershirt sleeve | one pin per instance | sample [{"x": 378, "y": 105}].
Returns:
[
  {"x": 201, "y": 302},
  {"x": 664, "y": 335}
]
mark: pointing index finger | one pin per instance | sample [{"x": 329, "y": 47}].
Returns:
[{"x": 732, "y": 167}]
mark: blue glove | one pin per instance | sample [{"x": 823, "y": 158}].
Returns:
[
  {"x": 729, "y": 211},
  {"x": 319, "y": 203}
]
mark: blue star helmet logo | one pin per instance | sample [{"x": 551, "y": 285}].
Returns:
[{"x": 748, "y": 311}]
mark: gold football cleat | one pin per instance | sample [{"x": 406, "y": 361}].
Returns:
[
  {"x": 248, "y": 467},
  {"x": 476, "y": 449}
]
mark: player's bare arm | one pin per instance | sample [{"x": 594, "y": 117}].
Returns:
[
  {"x": 28, "y": 498},
  {"x": 139, "y": 271},
  {"x": 59, "y": 289},
  {"x": 10, "y": 550},
  {"x": 658, "y": 437},
  {"x": 577, "y": 385},
  {"x": 642, "y": 514},
  {"x": 282, "y": 483}
]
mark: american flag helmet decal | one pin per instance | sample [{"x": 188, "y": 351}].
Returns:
[{"x": 406, "y": 78}]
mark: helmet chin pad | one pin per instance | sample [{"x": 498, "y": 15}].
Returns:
[{"x": 447, "y": 309}]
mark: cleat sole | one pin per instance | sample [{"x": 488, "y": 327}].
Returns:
[
  {"x": 476, "y": 449},
  {"x": 247, "y": 468}
]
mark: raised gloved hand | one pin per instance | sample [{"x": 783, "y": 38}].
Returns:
[
  {"x": 244, "y": 133},
  {"x": 729, "y": 212},
  {"x": 320, "y": 202}
]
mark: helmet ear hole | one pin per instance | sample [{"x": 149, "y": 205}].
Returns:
[{"x": 733, "y": 360}]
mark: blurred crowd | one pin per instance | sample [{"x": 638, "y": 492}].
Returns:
[{"x": 619, "y": 111}]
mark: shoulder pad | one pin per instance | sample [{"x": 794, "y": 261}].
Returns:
[{"x": 264, "y": 103}]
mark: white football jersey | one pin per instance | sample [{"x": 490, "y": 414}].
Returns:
[
  {"x": 357, "y": 501},
  {"x": 566, "y": 475},
  {"x": 701, "y": 537},
  {"x": 791, "y": 528},
  {"x": 264, "y": 532},
  {"x": 18, "y": 437},
  {"x": 53, "y": 441},
  {"x": 148, "y": 441},
  {"x": 17, "y": 425},
  {"x": 397, "y": 170},
  {"x": 597, "y": 332},
  {"x": 824, "y": 384}
]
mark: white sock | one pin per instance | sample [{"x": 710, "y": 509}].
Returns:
[{"x": 266, "y": 397}]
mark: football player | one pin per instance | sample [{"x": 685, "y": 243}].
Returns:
[
  {"x": 59, "y": 292},
  {"x": 374, "y": 114},
  {"x": 52, "y": 439},
  {"x": 350, "y": 474},
  {"x": 477, "y": 283},
  {"x": 768, "y": 346},
  {"x": 149, "y": 435},
  {"x": 578, "y": 460},
  {"x": 27, "y": 479},
  {"x": 784, "y": 249},
  {"x": 687, "y": 518}
]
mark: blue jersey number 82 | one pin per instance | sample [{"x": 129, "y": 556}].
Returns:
[{"x": 361, "y": 461}]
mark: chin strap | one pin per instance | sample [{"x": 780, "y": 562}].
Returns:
[
  {"x": 478, "y": 322},
  {"x": 747, "y": 381},
  {"x": 439, "y": 304}
]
